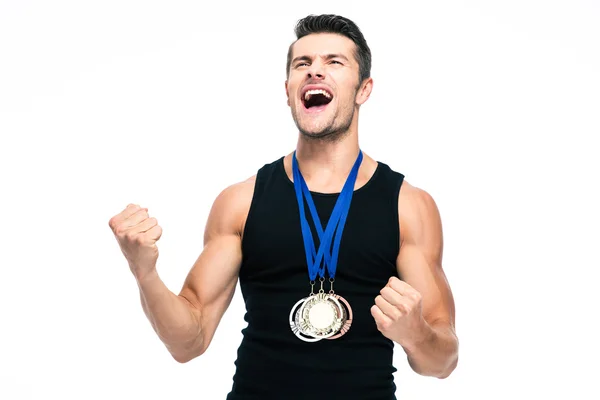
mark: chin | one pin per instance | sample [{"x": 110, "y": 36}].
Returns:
[
  {"x": 310, "y": 128},
  {"x": 329, "y": 134},
  {"x": 315, "y": 125}
]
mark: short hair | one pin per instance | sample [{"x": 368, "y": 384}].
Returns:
[{"x": 330, "y": 23}]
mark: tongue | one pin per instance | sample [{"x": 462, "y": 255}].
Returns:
[
  {"x": 314, "y": 109},
  {"x": 316, "y": 103},
  {"x": 318, "y": 100}
]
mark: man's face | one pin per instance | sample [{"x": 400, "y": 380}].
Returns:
[{"x": 322, "y": 84}]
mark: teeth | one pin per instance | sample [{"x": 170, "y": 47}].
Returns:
[{"x": 317, "y": 91}]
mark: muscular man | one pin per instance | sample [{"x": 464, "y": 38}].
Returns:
[{"x": 331, "y": 277}]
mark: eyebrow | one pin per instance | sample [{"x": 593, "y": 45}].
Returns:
[{"x": 326, "y": 56}]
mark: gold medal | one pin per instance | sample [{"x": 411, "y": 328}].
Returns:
[{"x": 321, "y": 316}]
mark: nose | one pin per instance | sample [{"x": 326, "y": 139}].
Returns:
[{"x": 316, "y": 71}]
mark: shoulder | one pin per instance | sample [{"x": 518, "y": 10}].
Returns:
[
  {"x": 415, "y": 198},
  {"x": 418, "y": 213},
  {"x": 243, "y": 188},
  {"x": 230, "y": 208},
  {"x": 236, "y": 196}
]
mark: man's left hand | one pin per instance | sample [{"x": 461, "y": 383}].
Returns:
[{"x": 398, "y": 313}]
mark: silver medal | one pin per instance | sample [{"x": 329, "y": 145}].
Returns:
[{"x": 295, "y": 323}]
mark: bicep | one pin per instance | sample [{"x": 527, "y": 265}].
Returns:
[
  {"x": 210, "y": 284},
  {"x": 419, "y": 261}
]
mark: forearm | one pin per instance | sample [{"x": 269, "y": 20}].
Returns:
[
  {"x": 436, "y": 353},
  {"x": 174, "y": 319}
]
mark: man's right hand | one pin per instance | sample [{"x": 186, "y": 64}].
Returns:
[{"x": 137, "y": 235}]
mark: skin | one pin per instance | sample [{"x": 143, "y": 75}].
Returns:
[{"x": 417, "y": 312}]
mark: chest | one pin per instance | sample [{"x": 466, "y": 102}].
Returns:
[{"x": 273, "y": 244}]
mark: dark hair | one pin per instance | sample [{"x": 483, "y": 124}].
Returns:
[{"x": 329, "y": 23}]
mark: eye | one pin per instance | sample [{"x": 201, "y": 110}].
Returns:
[
  {"x": 301, "y": 64},
  {"x": 336, "y": 61}
]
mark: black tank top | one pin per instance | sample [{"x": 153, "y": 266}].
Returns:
[{"x": 272, "y": 363}]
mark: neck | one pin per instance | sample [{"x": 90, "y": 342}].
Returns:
[{"x": 327, "y": 159}]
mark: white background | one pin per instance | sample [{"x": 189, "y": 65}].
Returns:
[{"x": 492, "y": 107}]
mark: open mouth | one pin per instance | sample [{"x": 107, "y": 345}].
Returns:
[{"x": 316, "y": 99}]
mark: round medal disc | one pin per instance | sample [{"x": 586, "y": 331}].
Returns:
[
  {"x": 347, "y": 320},
  {"x": 295, "y": 323},
  {"x": 320, "y": 316}
]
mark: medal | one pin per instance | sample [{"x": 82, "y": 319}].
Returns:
[
  {"x": 347, "y": 317},
  {"x": 295, "y": 323},
  {"x": 323, "y": 315}
]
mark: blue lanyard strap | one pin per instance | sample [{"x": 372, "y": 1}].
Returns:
[{"x": 336, "y": 222}]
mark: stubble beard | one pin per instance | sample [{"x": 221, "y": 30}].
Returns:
[{"x": 332, "y": 132}]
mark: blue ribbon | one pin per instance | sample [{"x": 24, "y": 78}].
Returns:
[{"x": 336, "y": 222}]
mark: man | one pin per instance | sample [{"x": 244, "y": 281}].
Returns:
[{"x": 330, "y": 286}]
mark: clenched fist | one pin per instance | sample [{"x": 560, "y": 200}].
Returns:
[
  {"x": 398, "y": 312},
  {"x": 137, "y": 234}
]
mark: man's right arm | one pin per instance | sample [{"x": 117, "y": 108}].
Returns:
[{"x": 186, "y": 323}]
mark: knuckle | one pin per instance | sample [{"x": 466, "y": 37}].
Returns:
[
  {"x": 139, "y": 239},
  {"x": 129, "y": 236}
]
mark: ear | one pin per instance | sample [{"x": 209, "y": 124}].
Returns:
[
  {"x": 287, "y": 94},
  {"x": 364, "y": 91}
]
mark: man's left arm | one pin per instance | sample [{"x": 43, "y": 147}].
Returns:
[{"x": 417, "y": 310}]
